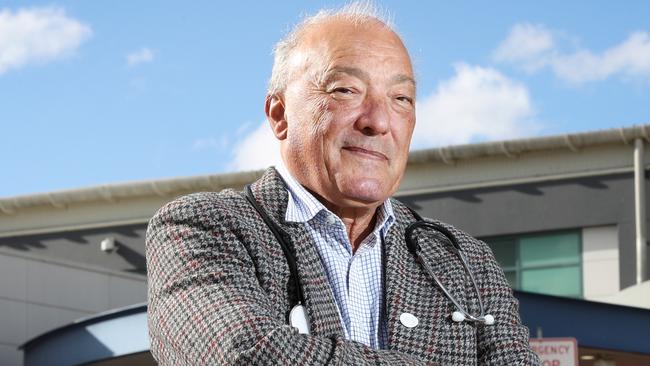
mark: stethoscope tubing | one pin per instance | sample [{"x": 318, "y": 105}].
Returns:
[
  {"x": 412, "y": 245},
  {"x": 414, "y": 248},
  {"x": 283, "y": 238}
]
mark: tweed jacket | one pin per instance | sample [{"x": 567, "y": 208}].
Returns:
[{"x": 220, "y": 289}]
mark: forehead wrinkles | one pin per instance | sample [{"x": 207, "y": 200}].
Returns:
[
  {"x": 318, "y": 69},
  {"x": 320, "y": 44},
  {"x": 323, "y": 63}
]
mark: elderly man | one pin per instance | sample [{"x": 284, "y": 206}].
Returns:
[{"x": 311, "y": 264}]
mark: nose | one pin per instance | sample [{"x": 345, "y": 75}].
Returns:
[{"x": 375, "y": 117}]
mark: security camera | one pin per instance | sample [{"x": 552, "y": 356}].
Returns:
[{"x": 107, "y": 245}]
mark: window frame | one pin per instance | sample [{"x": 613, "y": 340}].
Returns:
[{"x": 518, "y": 268}]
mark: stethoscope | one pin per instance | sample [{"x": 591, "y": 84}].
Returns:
[
  {"x": 297, "y": 316},
  {"x": 461, "y": 314}
]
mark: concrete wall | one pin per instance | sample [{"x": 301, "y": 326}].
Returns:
[
  {"x": 83, "y": 246},
  {"x": 50, "y": 280},
  {"x": 600, "y": 262}
]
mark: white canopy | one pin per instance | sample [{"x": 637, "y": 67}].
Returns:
[{"x": 636, "y": 296}]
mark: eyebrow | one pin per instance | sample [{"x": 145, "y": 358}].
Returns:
[
  {"x": 401, "y": 78},
  {"x": 361, "y": 74}
]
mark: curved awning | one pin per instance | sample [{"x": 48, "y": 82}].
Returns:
[
  {"x": 120, "y": 337},
  {"x": 117, "y": 336},
  {"x": 637, "y": 296},
  {"x": 593, "y": 324}
]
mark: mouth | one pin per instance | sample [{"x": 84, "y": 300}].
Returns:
[{"x": 368, "y": 154}]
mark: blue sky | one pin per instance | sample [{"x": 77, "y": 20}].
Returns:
[{"x": 99, "y": 92}]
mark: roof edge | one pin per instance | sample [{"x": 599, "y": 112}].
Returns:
[
  {"x": 511, "y": 148},
  {"x": 169, "y": 187},
  {"x": 447, "y": 155}
]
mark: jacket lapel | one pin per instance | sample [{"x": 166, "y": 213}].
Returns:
[
  {"x": 408, "y": 288},
  {"x": 324, "y": 320}
]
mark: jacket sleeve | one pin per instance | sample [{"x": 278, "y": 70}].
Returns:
[
  {"x": 506, "y": 341},
  {"x": 206, "y": 305}
]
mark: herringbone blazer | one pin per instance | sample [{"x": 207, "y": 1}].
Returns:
[{"x": 220, "y": 290}]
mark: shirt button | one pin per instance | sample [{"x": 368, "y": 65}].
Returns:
[{"x": 330, "y": 220}]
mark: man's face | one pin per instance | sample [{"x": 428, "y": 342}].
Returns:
[{"x": 350, "y": 112}]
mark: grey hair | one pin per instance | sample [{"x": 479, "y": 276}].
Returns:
[{"x": 358, "y": 12}]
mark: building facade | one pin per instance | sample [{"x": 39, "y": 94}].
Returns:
[{"x": 564, "y": 215}]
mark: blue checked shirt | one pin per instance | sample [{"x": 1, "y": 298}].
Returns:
[{"x": 356, "y": 279}]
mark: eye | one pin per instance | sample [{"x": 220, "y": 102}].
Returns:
[
  {"x": 344, "y": 93},
  {"x": 343, "y": 90},
  {"x": 405, "y": 99}
]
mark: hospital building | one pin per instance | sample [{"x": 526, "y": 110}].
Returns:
[{"x": 564, "y": 215}]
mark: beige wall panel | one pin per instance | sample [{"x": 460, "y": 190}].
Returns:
[
  {"x": 535, "y": 165},
  {"x": 92, "y": 214}
]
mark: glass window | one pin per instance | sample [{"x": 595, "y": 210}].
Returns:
[
  {"x": 505, "y": 252},
  {"x": 551, "y": 249},
  {"x": 560, "y": 281},
  {"x": 548, "y": 263}
]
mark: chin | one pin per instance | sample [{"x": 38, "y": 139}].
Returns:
[{"x": 366, "y": 190}]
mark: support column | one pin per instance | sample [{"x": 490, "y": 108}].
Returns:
[{"x": 640, "y": 211}]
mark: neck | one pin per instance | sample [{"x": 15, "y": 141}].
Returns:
[{"x": 359, "y": 222}]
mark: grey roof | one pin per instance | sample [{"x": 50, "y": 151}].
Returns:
[{"x": 175, "y": 186}]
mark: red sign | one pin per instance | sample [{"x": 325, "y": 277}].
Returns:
[{"x": 556, "y": 351}]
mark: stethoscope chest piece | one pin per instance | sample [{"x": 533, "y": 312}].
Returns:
[
  {"x": 298, "y": 319},
  {"x": 408, "y": 320}
]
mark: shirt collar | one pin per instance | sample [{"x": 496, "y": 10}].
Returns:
[{"x": 302, "y": 206}]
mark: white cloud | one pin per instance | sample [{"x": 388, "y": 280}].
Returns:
[
  {"x": 140, "y": 56},
  {"x": 37, "y": 35},
  {"x": 629, "y": 58},
  {"x": 525, "y": 43},
  {"x": 534, "y": 47},
  {"x": 476, "y": 104},
  {"x": 211, "y": 143},
  {"x": 257, "y": 150}
]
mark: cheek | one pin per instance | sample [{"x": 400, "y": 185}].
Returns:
[
  {"x": 307, "y": 135},
  {"x": 319, "y": 115},
  {"x": 404, "y": 131}
]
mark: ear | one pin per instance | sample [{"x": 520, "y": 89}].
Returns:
[{"x": 274, "y": 109}]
